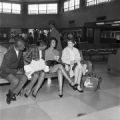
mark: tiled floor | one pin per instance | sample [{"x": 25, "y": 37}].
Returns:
[{"x": 101, "y": 105}]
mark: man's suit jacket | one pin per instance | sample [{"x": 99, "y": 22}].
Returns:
[{"x": 11, "y": 62}]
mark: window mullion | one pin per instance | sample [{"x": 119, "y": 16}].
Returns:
[
  {"x": 46, "y": 8},
  {"x": 11, "y": 7}
]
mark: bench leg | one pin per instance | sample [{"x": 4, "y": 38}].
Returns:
[{"x": 49, "y": 81}]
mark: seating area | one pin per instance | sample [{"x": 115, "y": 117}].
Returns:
[
  {"x": 59, "y": 60},
  {"x": 114, "y": 61},
  {"x": 3, "y": 49},
  {"x": 102, "y": 51}
]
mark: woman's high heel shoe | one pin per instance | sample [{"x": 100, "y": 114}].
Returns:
[
  {"x": 60, "y": 94},
  {"x": 79, "y": 89},
  {"x": 73, "y": 86},
  {"x": 34, "y": 95},
  {"x": 27, "y": 94}
]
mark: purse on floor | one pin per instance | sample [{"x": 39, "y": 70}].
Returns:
[{"x": 91, "y": 82}]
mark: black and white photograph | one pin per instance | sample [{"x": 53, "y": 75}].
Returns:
[{"x": 59, "y": 60}]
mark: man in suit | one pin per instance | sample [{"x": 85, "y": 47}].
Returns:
[
  {"x": 12, "y": 69},
  {"x": 54, "y": 33}
]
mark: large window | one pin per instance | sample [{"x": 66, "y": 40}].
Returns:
[
  {"x": 95, "y": 2},
  {"x": 52, "y": 9},
  {"x": 16, "y": 8},
  {"x": 7, "y": 7},
  {"x": 0, "y": 7},
  {"x": 77, "y": 4},
  {"x": 33, "y": 9},
  {"x": 71, "y": 5},
  {"x": 66, "y": 6},
  {"x": 10, "y": 8},
  {"x": 43, "y": 8}
]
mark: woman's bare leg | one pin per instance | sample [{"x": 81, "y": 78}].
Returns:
[
  {"x": 60, "y": 67},
  {"x": 78, "y": 75},
  {"x": 79, "y": 79},
  {"x": 61, "y": 72},
  {"x": 29, "y": 87},
  {"x": 76, "y": 71},
  {"x": 60, "y": 80},
  {"x": 39, "y": 83},
  {"x": 65, "y": 74}
]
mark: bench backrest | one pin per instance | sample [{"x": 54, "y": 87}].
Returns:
[{"x": 3, "y": 50}]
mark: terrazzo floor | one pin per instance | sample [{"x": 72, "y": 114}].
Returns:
[{"x": 101, "y": 105}]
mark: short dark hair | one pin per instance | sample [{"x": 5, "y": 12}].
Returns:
[
  {"x": 19, "y": 39},
  {"x": 51, "y": 39}
]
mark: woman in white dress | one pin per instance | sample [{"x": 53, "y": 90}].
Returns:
[{"x": 72, "y": 59}]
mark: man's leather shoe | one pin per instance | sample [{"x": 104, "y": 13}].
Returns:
[
  {"x": 13, "y": 97},
  {"x": 10, "y": 97}
]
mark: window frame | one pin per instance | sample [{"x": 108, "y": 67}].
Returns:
[
  {"x": 6, "y": 10},
  {"x": 97, "y": 2},
  {"x": 46, "y": 11},
  {"x": 18, "y": 11},
  {"x": 66, "y": 3},
  {"x": 33, "y": 13},
  {"x": 55, "y": 10},
  {"x": 9, "y": 10},
  {"x": 1, "y": 7},
  {"x": 42, "y": 10},
  {"x": 71, "y": 7}
]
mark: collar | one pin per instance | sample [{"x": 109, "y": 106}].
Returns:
[
  {"x": 70, "y": 49},
  {"x": 16, "y": 49}
]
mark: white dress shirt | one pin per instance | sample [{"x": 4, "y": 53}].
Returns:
[{"x": 17, "y": 52}]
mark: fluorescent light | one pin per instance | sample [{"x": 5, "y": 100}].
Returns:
[
  {"x": 116, "y": 22},
  {"x": 100, "y": 23}
]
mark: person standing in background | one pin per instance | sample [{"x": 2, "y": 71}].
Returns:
[
  {"x": 43, "y": 37},
  {"x": 30, "y": 38},
  {"x": 36, "y": 35},
  {"x": 54, "y": 33}
]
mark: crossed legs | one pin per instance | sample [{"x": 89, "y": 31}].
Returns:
[
  {"x": 60, "y": 71},
  {"x": 39, "y": 79}
]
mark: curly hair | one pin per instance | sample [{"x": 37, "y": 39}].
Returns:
[{"x": 51, "y": 39}]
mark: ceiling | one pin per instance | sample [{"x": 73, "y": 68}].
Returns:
[{"x": 29, "y": 0}]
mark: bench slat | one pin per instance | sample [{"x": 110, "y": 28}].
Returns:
[{"x": 48, "y": 75}]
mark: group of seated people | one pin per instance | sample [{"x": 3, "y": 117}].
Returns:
[{"x": 17, "y": 67}]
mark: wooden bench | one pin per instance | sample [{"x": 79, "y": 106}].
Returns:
[{"x": 47, "y": 76}]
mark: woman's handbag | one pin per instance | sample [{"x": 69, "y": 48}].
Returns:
[{"x": 91, "y": 82}]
